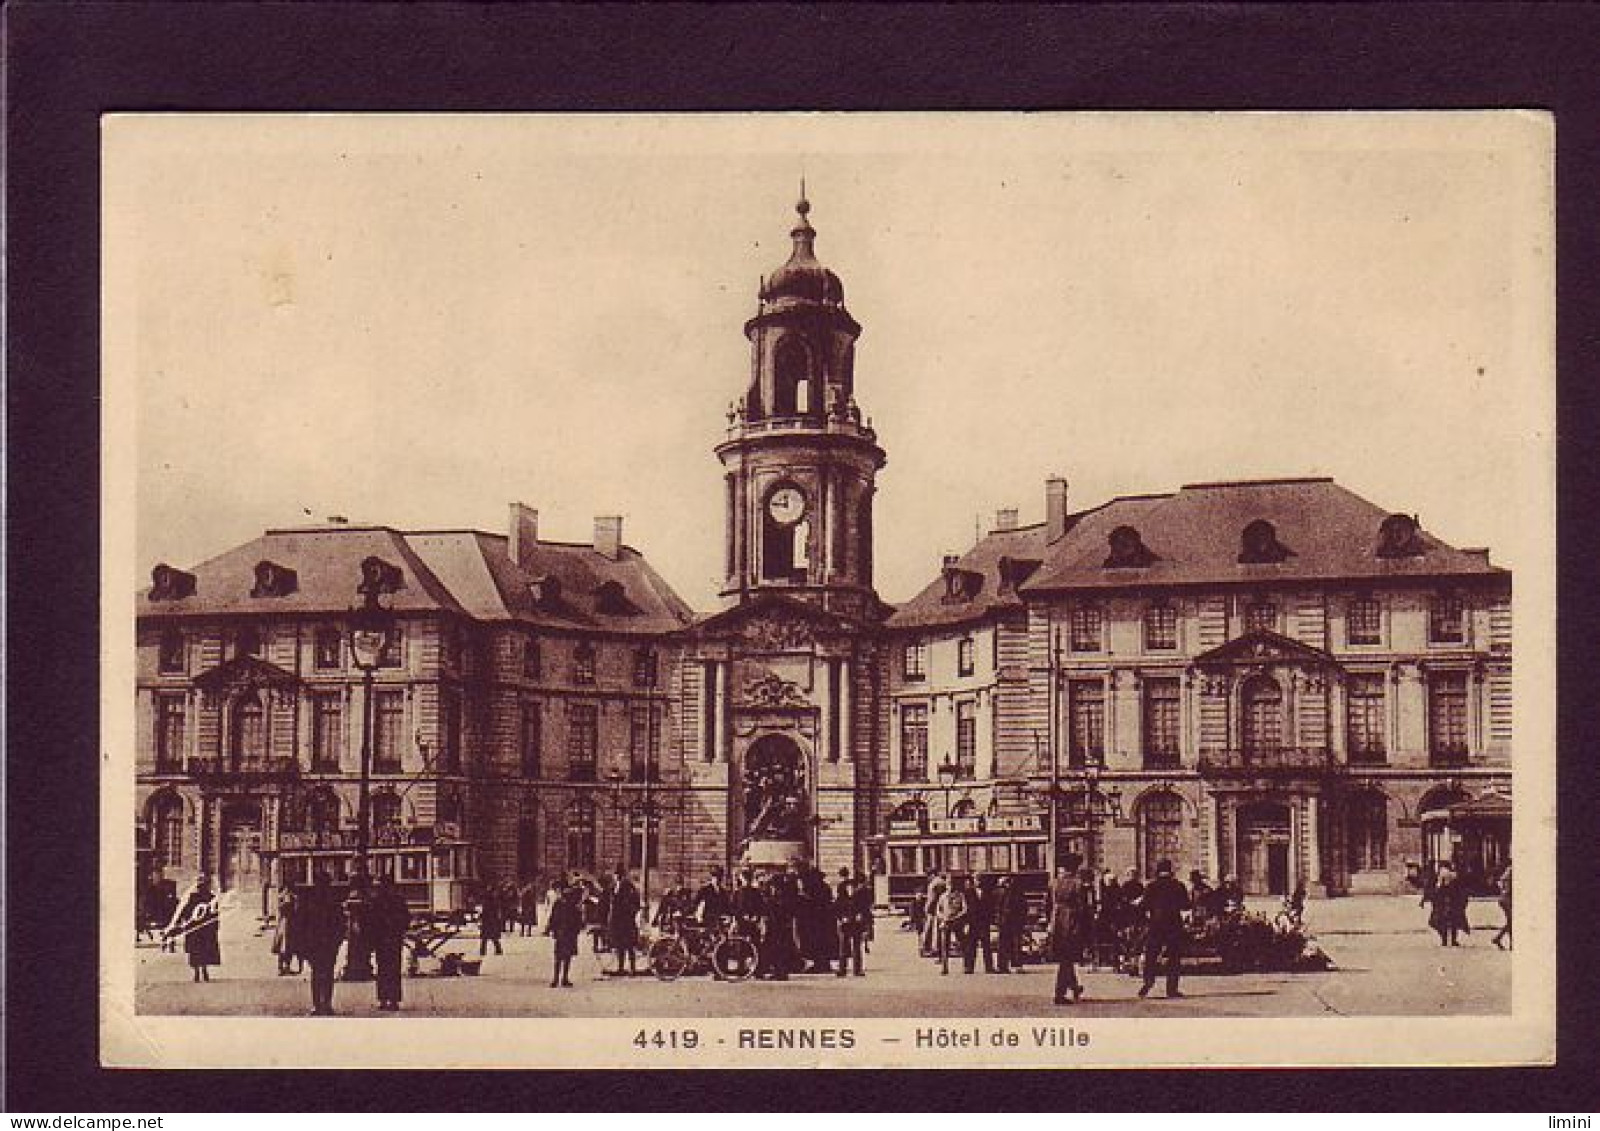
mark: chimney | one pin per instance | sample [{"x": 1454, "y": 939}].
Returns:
[
  {"x": 1055, "y": 507},
  {"x": 608, "y": 535},
  {"x": 524, "y": 530},
  {"x": 950, "y": 560},
  {"x": 1005, "y": 518}
]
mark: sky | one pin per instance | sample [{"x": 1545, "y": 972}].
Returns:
[{"x": 415, "y": 320}]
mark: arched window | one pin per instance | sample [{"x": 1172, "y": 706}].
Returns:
[
  {"x": 322, "y": 812},
  {"x": 966, "y": 807},
  {"x": 1367, "y": 831},
  {"x": 166, "y": 830},
  {"x": 581, "y": 834},
  {"x": 1160, "y": 821},
  {"x": 1258, "y": 543},
  {"x": 909, "y": 811},
  {"x": 1261, "y": 701},
  {"x": 249, "y": 729},
  {"x": 791, "y": 371}
]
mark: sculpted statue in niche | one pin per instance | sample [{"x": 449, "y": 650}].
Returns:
[{"x": 774, "y": 790}]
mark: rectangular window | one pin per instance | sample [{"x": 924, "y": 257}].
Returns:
[
  {"x": 327, "y": 733},
  {"x": 583, "y": 741},
  {"x": 965, "y": 660},
  {"x": 583, "y": 663},
  {"x": 643, "y": 745},
  {"x": 393, "y": 654},
  {"x": 1447, "y": 620},
  {"x": 1447, "y": 717},
  {"x": 1086, "y": 698},
  {"x": 914, "y": 742},
  {"x": 1363, "y": 621},
  {"x": 966, "y": 741},
  {"x": 902, "y": 861},
  {"x": 914, "y": 663},
  {"x": 1161, "y": 724},
  {"x": 327, "y": 650},
  {"x": 388, "y": 730},
  {"x": 170, "y": 657},
  {"x": 1160, "y": 628},
  {"x": 644, "y": 668},
  {"x": 532, "y": 738},
  {"x": 1366, "y": 717},
  {"x": 1367, "y": 833},
  {"x": 450, "y": 721},
  {"x": 1261, "y": 616},
  {"x": 171, "y": 725},
  {"x": 1084, "y": 634},
  {"x": 531, "y": 666}
]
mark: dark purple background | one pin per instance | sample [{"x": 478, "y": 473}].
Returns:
[{"x": 66, "y": 63}]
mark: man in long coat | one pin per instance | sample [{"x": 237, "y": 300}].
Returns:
[
  {"x": 624, "y": 923},
  {"x": 388, "y": 919},
  {"x": 321, "y": 931},
  {"x": 1067, "y": 911},
  {"x": 1165, "y": 901}
]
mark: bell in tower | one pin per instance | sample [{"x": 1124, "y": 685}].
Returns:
[{"x": 801, "y": 461}]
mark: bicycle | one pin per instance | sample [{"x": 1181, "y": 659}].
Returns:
[{"x": 726, "y": 951}]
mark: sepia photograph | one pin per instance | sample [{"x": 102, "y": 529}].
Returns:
[{"x": 852, "y": 590}]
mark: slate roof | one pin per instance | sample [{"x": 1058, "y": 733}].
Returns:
[
  {"x": 467, "y": 572},
  {"x": 1331, "y": 535},
  {"x": 1194, "y": 537}
]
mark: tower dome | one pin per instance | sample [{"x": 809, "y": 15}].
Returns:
[{"x": 803, "y": 278}]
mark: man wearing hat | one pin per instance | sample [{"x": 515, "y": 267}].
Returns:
[{"x": 1165, "y": 901}]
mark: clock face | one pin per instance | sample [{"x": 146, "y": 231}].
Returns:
[{"x": 787, "y": 505}]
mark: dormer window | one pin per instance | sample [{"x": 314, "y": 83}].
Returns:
[
  {"x": 961, "y": 584},
  {"x": 274, "y": 580},
  {"x": 1014, "y": 571},
  {"x": 1128, "y": 550},
  {"x": 170, "y": 657},
  {"x": 168, "y": 584},
  {"x": 612, "y": 600},
  {"x": 644, "y": 667},
  {"x": 583, "y": 663},
  {"x": 1259, "y": 544},
  {"x": 1399, "y": 536},
  {"x": 545, "y": 591}
]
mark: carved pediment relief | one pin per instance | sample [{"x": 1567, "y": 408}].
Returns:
[
  {"x": 770, "y": 690},
  {"x": 777, "y": 634}
]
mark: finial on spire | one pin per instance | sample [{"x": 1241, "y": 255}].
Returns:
[{"x": 804, "y": 205}]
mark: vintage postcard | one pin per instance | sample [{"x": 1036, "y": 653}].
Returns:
[{"x": 857, "y": 590}]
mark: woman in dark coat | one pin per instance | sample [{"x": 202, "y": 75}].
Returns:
[
  {"x": 565, "y": 925},
  {"x": 198, "y": 920},
  {"x": 1449, "y": 898},
  {"x": 285, "y": 943},
  {"x": 388, "y": 920}
]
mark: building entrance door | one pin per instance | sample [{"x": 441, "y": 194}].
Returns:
[
  {"x": 241, "y": 848},
  {"x": 1264, "y": 848}
]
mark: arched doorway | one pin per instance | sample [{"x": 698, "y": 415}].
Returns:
[
  {"x": 1264, "y": 861},
  {"x": 775, "y": 795}
]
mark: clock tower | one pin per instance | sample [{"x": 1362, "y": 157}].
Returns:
[{"x": 800, "y": 461}]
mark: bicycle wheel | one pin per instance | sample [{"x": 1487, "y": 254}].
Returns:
[
  {"x": 735, "y": 958},
  {"x": 669, "y": 958}
]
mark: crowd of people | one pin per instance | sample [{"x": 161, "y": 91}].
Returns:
[{"x": 799, "y": 921}]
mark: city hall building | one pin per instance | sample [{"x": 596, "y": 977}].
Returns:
[{"x": 1276, "y": 680}]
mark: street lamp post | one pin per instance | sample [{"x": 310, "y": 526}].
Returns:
[
  {"x": 369, "y": 633},
  {"x": 948, "y": 772}
]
